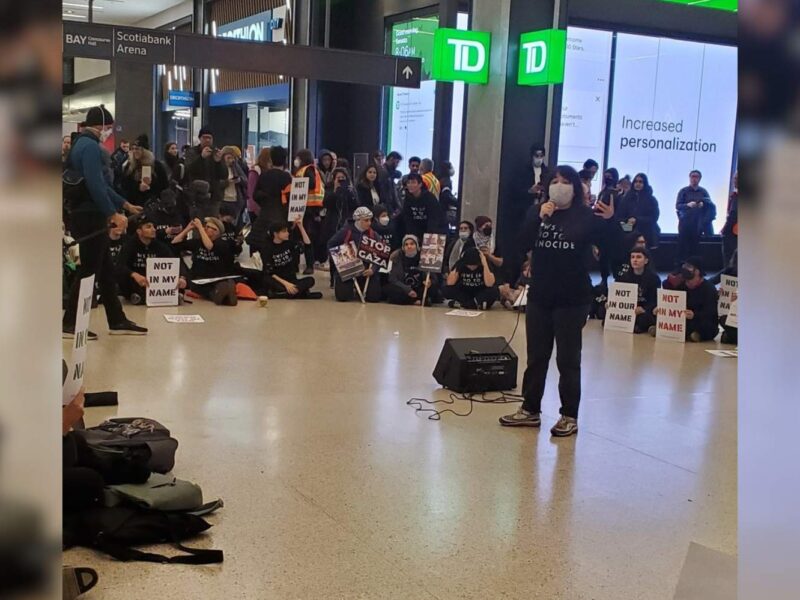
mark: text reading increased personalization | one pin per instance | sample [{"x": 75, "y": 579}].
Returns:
[{"x": 675, "y": 143}]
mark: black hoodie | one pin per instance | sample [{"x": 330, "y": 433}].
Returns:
[{"x": 649, "y": 284}]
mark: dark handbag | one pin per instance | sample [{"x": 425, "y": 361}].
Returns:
[{"x": 116, "y": 530}]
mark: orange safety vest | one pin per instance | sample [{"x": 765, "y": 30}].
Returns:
[{"x": 317, "y": 193}]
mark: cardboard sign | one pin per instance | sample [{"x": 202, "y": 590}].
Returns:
[
  {"x": 162, "y": 281},
  {"x": 77, "y": 362},
  {"x": 374, "y": 252},
  {"x": 621, "y": 307},
  {"x": 522, "y": 299},
  {"x": 733, "y": 315},
  {"x": 298, "y": 198},
  {"x": 729, "y": 285},
  {"x": 184, "y": 319},
  {"x": 431, "y": 257},
  {"x": 345, "y": 259},
  {"x": 671, "y": 316}
]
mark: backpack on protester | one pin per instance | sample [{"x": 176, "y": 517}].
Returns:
[
  {"x": 140, "y": 441},
  {"x": 115, "y": 531}
]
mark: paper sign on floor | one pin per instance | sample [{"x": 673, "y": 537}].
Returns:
[
  {"x": 621, "y": 307},
  {"x": 184, "y": 319},
  {"x": 162, "y": 281},
  {"x": 77, "y": 361},
  {"x": 724, "y": 353},
  {"x": 464, "y": 313},
  {"x": 671, "y": 316}
]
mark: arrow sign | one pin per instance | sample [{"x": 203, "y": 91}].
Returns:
[{"x": 408, "y": 72}]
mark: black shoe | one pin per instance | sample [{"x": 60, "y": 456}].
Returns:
[
  {"x": 136, "y": 299},
  {"x": 314, "y": 295},
  {"x": 126, "y": 328},
  {"x": 68, "y": 333}
]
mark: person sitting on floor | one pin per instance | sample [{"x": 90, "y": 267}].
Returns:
[
  {"x": 280, "y": 264},
  {"x": 233, "y": 232},
  {"x": 211, "y": 258},
  {"x": 385, "y": 226},
  {"x": 406, "y": 282},
  {"x": 465, "y": 239},
  {"x": 360, "y": 226},
  {"x": 471, "y": 283},
  {"x": 509, "y": 294},
  {"x": 640, "y": 273},
  {"x": 132, "y": 261},
  {"x": 702, "y": 320}
]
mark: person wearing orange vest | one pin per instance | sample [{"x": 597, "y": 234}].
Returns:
[
  {"x": 431, "y": 181},
  {"x": 305, "y": 166}
]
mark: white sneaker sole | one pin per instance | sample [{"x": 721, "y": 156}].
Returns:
[{"x": 125, "y": 332}]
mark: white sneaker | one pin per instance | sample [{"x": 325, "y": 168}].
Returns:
[
  {"x": 521, "y": 418},
  {"x": 565, "y": 427}
]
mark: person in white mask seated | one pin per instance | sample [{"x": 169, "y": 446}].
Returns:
[{"x": 457, "y": 248}]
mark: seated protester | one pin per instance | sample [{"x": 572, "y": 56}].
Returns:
[
  {"x": 631, "y": 240},
  {"x": 116, "y": 240},
  {"x": 406, "y": 282},
  {"x": 166, "y": 216},
  {"x": 360, "y": 226},
  {"x": 233, "y": 232},
  {"x": 702, "y": 322},
  {"x": 484, "y": 241},
  {"x": 211, "y": 257},
  {"x": 280, "y": 264},
  {"x": 385, "y": 226},
  {"x": 730, "y": 335},
  {"x": 640, "y": 273},
  {"x": 471, "y": 283},
  {"x": 465, "y": 240},
  {"x": 132, "y": 263},
  {"x": 509, "y": 294}
]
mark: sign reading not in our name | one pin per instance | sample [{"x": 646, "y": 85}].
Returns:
[{"x": 152, "y": 46}]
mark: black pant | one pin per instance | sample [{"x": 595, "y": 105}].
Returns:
[
  {"x": 128, "y": 287},
  {"x": 644, "y": 321},
  {"x": 345, "y": 291},
  {"x": 472, "y": 297},
  {"x": 708, "y": 329},
  {"x": 95, "y": 260},
  {"x": 276, "y": 290},
  {"x": 544, "y": 326},
  {"x": 688, "y": 241},
  {"x": 397, "y": 295}
]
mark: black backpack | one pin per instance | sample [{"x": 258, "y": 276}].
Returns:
[{"x": 116, "y": 530}]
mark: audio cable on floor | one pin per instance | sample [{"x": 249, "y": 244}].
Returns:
[{"x": 436, "y": 415}]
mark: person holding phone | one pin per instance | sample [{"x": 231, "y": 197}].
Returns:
[
  {"x": 608, "y": 196},
  {"x": 143, "y": 177},
  {"x": 562, "y": 231}
]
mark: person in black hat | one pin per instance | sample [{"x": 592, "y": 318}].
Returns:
[
  {"x": 648, "y": 282},
  {"x": 94, "y": 208},
  {"x": 204, "y": 162},
  {"x": 132, "y": 261},
  {"x": 143, "y": 177},
  {"x": 471, "y": 283},
  {"x": 702, "y": 319}
]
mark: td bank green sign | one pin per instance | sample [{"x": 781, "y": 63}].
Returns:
[
  {"x": 460, "y": 55},
  {"x": 542, "y": 55}
]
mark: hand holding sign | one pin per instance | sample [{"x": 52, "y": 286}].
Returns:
[
  {"x": 298, "y": 198},
  {"x": 162, "y": 281}
]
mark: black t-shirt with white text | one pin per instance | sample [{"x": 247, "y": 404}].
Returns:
[
  {"x": 281, "y": 259},
  {"x": 467, "y": 278},
  {"x": 217, "y": 262},
  {"x": 134, "y": 254}
]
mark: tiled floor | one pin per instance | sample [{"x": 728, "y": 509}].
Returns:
[{"x": 296, "y": 415}]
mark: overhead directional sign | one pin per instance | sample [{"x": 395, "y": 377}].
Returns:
[
  {"x": 726, "y": 5},
  {"x": 461, "y": 55},
  {"x": 542, "y": 57},
  {"x": 206, "y": 52}
]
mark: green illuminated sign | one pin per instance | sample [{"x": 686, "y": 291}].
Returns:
[
  {"x": 461, "y": 55},
  {"x": 541, "y": 57},
  {"x": 414, "y": 38},
  {"x": 728, "y": 5}
]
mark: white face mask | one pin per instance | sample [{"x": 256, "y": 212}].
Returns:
[
  {"x": 384, "y": 221},
  {"x": 105, "y": 134},
  {"x": 296, "y": 163},
  {"x": 538, "y": 162},
  {"x": 561, "y": 194},
  {"x": 464, "y": 235}
]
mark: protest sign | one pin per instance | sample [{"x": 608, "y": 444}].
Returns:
[
  {"x": 729, "y": 285},
  {"x": 522, "y": 299},
  {"x": 671, "y": 316},
  {"x": 77, "y": 362},
  {"x": 431, "y": 257},
  {"x": 733, "y": 314},
  {"x": 162, "y": 281},
  {"x": 724, "y": 353},
  {"x": 464, "y": 313},
  {"x": 298, "y": 198},
  {"x": 621, "y": 307},
  {"x": 184, "y": 319},
  {"x": 374, "y": 252},
  {"x": 345, "y": 259}
]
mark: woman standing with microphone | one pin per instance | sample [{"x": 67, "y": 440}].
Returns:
[{"x": 562, "y": 232}]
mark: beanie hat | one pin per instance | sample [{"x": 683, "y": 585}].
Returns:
[
  {"x": 481, "y": 221},
  {"x": 142, "y": 220},
  {"x": 472, "y": 256},
  {"x": 696, "y": 262},
  {"x": 412, "y": 237},
  {"x": 216, "y": 223},
  {"x": 362, "y": 212},
  {"x": 228, "y": 150},
  {"x": 142, "y": 141},
  {"x": 205, "y": 130},
  {"x": 98, "y": 115}
]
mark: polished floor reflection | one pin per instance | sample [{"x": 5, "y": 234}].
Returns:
[{"x": 296, "y": 415}]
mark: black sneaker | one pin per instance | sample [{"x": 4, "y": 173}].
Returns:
[
  {"x": 68, "y": 333},
  {"x": 314, "y": 295},
  {"x": 126, "y": 328},
  {"x": 136, "y": 299}
]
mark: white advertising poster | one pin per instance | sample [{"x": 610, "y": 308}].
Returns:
[
  {"x": 621, "y": 307},
  {"x": 162, "y": 281},
  {"x": 671, "y": 316},
  {"x": 674, "y": 110},
  {"x": 584, "y": 104},
  {"x": 411, "y": 121},
  {"x": 729, "y": 286},
  {"x": 298, "y": 199},
  {"x": 77, "y": 362}
]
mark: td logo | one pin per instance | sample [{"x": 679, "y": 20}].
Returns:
[
  {"x": 541, "y": 57},
  {"x": 460, "y": 55}
]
